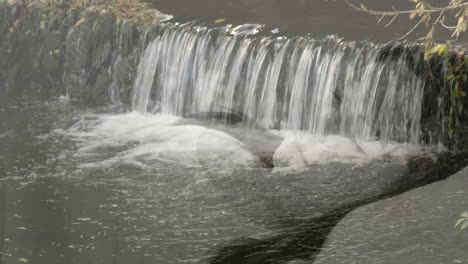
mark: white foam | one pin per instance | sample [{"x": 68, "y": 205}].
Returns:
[
  {"x": 246, "y": 29},
  {"x": 300, "y": 149},
  {"x": 140, "y": 139}
]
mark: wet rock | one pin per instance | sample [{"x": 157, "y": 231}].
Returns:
[
  {"x": 50, "y": 62},
  {"x": 100, "y": 92},
  {"x": 416, "y": 227},
  {"x": 127, "y": 36},
  {"x": 47, "y": 56},
  {"x": 308, "y": 204},
  {"x": 78, "y": 44},
  {"x": 103, "y": 34}
]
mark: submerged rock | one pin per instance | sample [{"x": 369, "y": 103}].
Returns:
[
  {"x": 310, "y": 203},
  {"x": 416, "y": 227}
]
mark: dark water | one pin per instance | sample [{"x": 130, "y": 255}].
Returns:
[
  {"x": 298, "y": 17},
  {"x": 55, "y": 210}
]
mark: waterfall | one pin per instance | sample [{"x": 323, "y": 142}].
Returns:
[{"x": 322, "y": 86}]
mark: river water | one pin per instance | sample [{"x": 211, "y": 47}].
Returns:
[
  {"x": 238, "y": 147},
  {"x": 319, "y": 18},
  {"x": 68, "y": 199}
]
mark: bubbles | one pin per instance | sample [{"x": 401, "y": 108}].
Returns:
[
  {"x": 143, "y": 141},
  {"x": 300, "y": 149},
  {"x": 140, "y": 140},
  {"x": 246, "y": 30}
]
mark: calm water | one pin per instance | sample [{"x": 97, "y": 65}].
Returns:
[{"x": 318, "y": 18}]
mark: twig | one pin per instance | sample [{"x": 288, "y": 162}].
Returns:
[
  {"x": 397, "y": 12},
  {"x": 380, "y": 19},
  {"x": 439, "y": 17},
  {"x": 391, "y": 21},
  {"x": 441, "y": 22},
  {"x": 411, "y": 30}
]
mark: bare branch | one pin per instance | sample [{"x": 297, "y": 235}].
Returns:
[
  {"x": 413, "y": 29},
  {"x": 391, "y": 21},
  {"x": 380, "y": 19},
  {"x": 442, "y": 23},
  {"x": 398, "y": 12},
  {"x": 439, "y": 17}
]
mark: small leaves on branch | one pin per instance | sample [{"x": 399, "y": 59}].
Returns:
[
  {"x": 427, "y": 15},
  {"x": 131, "y": 10},
  {"x": 456, "y": 62},
  {"x": 456, "y": 76}
]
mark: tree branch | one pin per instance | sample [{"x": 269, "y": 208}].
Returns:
[
  {"x": 397, "y": 12},
  {"x": 442, "y": 23},
  {"x": 411, "y": 30}
]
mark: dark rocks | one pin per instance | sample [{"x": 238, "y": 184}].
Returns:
[
  {"x": 436, "y": 106},
  {"x": 76, "y": 62},
  {"x": 44, "y": 56},
  {"x": 307, "y": 205}
]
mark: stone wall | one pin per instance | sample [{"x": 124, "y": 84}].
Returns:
[
  {"x": 436, "y": 109},
  {"x": 436, "y": 99},
  {"x": 50, "y": 56}
]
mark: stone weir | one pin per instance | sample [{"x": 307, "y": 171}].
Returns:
[
  {"x": 93, "y": 59},
  {"x": 90, "y": 57}
]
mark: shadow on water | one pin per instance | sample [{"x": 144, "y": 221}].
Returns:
[{"x": 305, "y": 241}]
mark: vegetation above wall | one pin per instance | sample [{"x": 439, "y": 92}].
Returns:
[{"x": 131, "y": 10}]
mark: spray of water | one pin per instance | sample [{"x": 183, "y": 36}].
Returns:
[{"x": 323, "y": 87}]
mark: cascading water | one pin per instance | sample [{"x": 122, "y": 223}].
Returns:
[{"x": 326, "y": 86}]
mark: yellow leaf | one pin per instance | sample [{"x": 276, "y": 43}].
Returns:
[
  {"x": 439, "y": 49},
  {"x": 12, "y": 30},
  {"x": 79, "y": 22},
  {"x": 220, "y": 20},
  {"x": 24, "y": 260}
]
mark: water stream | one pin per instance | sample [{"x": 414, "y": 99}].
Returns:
[
  {"x": 326, "y": 86},
  {"x": 238, "y": 148}
]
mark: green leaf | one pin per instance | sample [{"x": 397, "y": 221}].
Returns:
[{"x": 24, "y": 260}]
